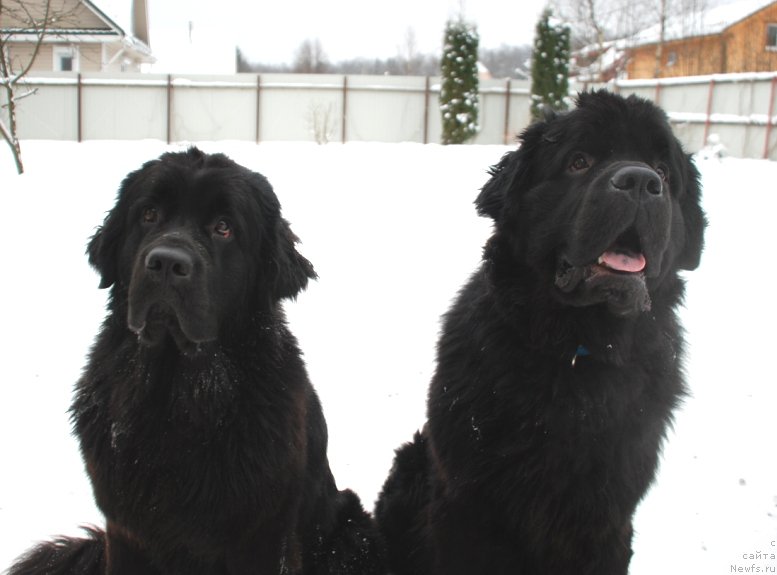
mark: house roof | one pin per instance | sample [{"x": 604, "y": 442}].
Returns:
[
  {"x": 111, "y": 28},
  {"x": 130, "y": 41},
  {"x": 711, "y": 21},
  {"x": 103, "y": 16}
]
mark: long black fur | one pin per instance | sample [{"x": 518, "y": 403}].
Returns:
[
  {"x": 65, "y": 555},
  {"x": 201, "y": 433},
  {"x": 556, "y": 377}
]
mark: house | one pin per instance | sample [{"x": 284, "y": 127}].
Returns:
[
  {"x": 78, "y": 37},
  {"x": 736, "y": 37}
]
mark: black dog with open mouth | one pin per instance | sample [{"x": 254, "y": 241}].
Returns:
[
  {"x": 559, "y": 365},
  {"x": 201, "y": 433}
]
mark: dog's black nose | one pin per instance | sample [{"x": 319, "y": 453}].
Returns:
[
  {"x": 636, "y": 180},
  {"x": 170, "y": 262}
]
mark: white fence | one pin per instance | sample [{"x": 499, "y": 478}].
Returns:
[
  {"x": 737, "y": 108},
  {"x": 272, "y": 107},
  {"x": 291, "y": 107}
]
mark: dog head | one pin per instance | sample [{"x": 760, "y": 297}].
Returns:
[
  {"x": 602, "y": 202},
  {"x": 193, "y": 241}
]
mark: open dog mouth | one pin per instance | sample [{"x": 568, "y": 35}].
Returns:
[
  {"x": 616, "y": 277},
  {"x": 612, "y": 262},
  {"x": 623, "y": 262},
  {"x": 624, "y": 255}
]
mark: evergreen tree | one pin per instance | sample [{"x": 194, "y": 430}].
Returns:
[
  {"x": 459, "y": 103},
  {"x": 550, "y": 65}
]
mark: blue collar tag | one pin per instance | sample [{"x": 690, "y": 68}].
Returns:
[{"x": 582, "y": 351}]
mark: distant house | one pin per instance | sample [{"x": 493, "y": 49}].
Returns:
[
  {"x": 82, "y": 38},
  {"x": 736, "y": 37}
]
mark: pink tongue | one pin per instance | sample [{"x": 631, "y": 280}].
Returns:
[{"x": 622, "y": 262}]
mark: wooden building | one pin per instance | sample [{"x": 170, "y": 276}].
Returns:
[
  {"x": 736, "y": 37},
  {"x": 77, "y": 37}
]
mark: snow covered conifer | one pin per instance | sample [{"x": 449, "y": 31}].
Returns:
[
  {"x": 550, "y": 65},
  {"x": 459, "y": 102}
]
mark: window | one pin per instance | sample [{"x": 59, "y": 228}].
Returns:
[
  {"x": 65, "y": 59},
  {"x": 671, "y": 59},
  {"x": 66, "y": 63},
  {"x": 771, "y": 37}
]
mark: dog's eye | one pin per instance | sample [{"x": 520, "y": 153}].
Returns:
[
  {"x": 662, "y": 171},
  {"x": 222, "y": 229},
  {"x": 579, "y": 163},
  {"x": 150, "y": 215}
]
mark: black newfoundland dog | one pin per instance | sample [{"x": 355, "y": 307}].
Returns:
[
  {"x": 201, "y": 433},
  {"x": 559, "y": 365}
]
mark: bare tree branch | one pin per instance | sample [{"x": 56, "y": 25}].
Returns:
[
  {"x": 20, "y": 97},
  {"x": 661, "y": 38},
  {"x": 40, "y": 32},
  {"x": 597, "y": 22},
  {"x": 14, "y": 68},
  {"x": 598, "y": 30}
]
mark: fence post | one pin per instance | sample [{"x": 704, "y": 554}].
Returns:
[
  {"x": 769, "y": 118},
  {"x": 258, "y": 107},
  {"x": 506, "y": 137},
  {"x": 426, "y": 110},
  {"x": 708, "y": 120},
  {"x": 169, "y": 108},
  {"x": 345, "y": 106},
  {"x": 80, "y": 111}
]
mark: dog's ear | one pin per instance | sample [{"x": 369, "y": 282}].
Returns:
[
  {"x": 286, "y": 271},
  {"x": 512, "y": 171},
  {"x": 104, "y": 245},
  {"x": 103, "y": 249},
  {"x": 491, "y": 198},
  {"x": 292, "y": 270},
  {"x": 694, "y": 219}
]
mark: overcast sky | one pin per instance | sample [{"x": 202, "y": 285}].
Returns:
[
  {"x": 189, "y": 36},
  {"x": 271, "y": 31}
]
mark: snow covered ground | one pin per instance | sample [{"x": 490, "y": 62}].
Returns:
[{"x": 392, "y": 232}]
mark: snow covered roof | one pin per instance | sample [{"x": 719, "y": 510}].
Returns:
[{"x": 711, "y": 21}]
